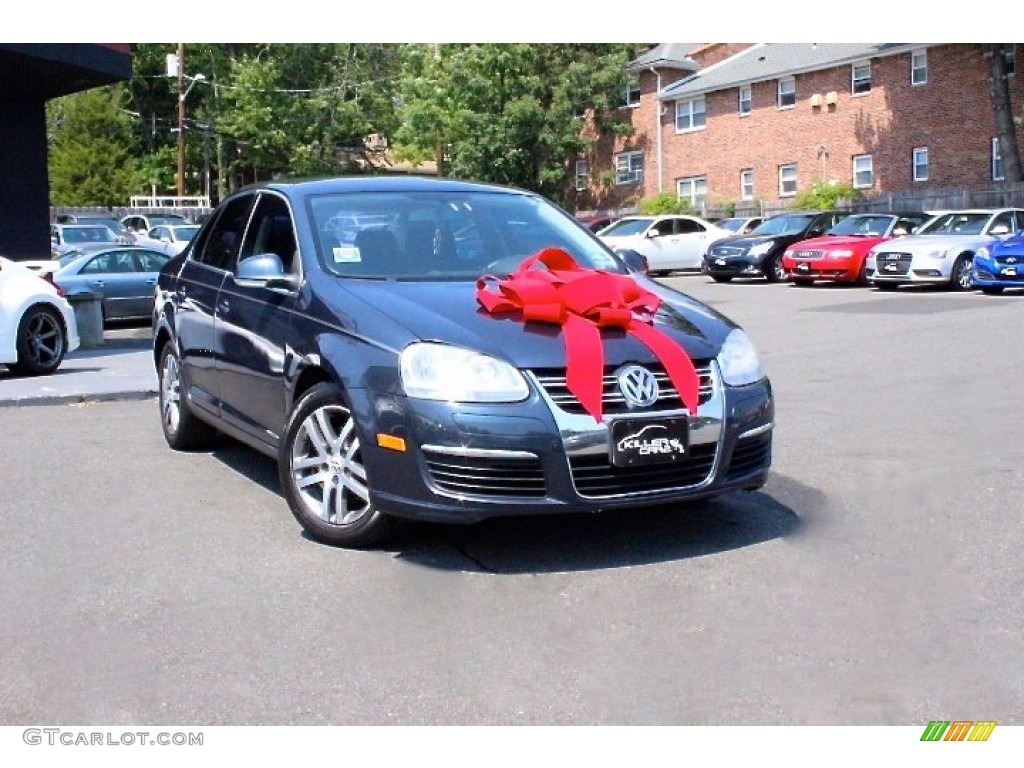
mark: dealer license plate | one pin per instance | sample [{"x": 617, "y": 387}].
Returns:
[
  {"x": 1008, "y": 271},
  {"x": 803, "y": 266},
  {"x": 637, "y": 442}
]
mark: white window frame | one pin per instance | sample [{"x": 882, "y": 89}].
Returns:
[
  {"x": 745, "y": 105},
  {"x": 860, "y": 78},
  {"x": 631, "y": 97},
  {"x": 786, "y": 91},
  {"x": 629, "y": 168},
  {"x": 919, "y": 160},
  {"x": 786, "y": 181},
  {"x": 863, "y": 164},
  {"x": 747, "y": 184},
  {"x": 687, "y": 112},
  {"x": 919, "y": 67},
  {"x": 998, "y": 170},
  {"x": 693, "y": 189},
  {"x": 582, "y": 171}
]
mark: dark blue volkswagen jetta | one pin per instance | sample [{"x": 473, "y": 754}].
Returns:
[{"x": 448, "y": 351}]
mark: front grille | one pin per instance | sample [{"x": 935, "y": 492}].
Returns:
[
  {"x": 594, "y": 476},
  {"x": 807, "y": 254},
  {"x": 612, "y": 401},
  {"x": 750, "y": 454},
  {"x": 727, "y": 250},
  {"x": 892, "y": 264},
  {"x": 480, "y": 474},
  {"x": 1013, "y": 261}
]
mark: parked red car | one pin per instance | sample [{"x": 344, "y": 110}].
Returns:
[{"x": 840, "y": 253}]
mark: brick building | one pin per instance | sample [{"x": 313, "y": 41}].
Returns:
[{"x": 751, "y": 125}]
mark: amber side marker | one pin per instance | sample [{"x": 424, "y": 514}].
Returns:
[{"x": 392, "y": 442}]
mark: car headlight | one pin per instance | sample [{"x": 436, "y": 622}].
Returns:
[
  {"x": 981, "y": 253},
  {"x": 444, "y": 372},
  {"x": 761, "y": 248},
  {"x": 936, "y": 254},
  {"x": 738, "y": 360},
  {"x": 841, "y": 254}
]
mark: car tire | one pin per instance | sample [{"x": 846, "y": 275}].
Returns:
[
  {"x": 323, "y": 476},
  {"x": 182, "y": 429},
  {"x": 773, "y": 270},
  {"x": 992, "y": 290},
  {"x": 41, "y": 343},
  {"x": 960, "y": 275},
  {"x": 862, "y": 276},
  {"x": 722, "y": 278}
]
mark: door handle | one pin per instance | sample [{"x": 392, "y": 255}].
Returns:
[
  {"x": 223, "y": 306},
  {"x": 151, "y": 281}
]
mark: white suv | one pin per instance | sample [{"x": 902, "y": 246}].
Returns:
[{"x": 941, "y": 250}]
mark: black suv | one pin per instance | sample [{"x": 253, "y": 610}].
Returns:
[{"x": 759, "y": 253}]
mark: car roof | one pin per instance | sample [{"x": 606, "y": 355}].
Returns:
[{"x": 379, "y": 184}]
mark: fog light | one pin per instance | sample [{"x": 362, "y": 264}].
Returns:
[{"x": 927, "y": 273}]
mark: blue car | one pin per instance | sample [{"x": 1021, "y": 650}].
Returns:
[
  {"x": 449, "y": 351},
  {"x": 1000, "y": 265}
]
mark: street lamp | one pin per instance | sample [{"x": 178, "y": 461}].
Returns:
[{"x": 182, "y": 95}]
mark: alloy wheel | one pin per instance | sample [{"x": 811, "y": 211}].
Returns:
[
  {"x": 44, "y": 340},
  {"x": 170, "y": 394}
]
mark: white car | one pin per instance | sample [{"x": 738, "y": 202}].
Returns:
[
  {"x": 941, "y": 250},
  {"x": 37, "y": 324},
  {"x": 168, "y": 238},
  {"x": 668, "y": 242}
]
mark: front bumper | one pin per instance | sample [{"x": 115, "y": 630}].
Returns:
[
  {"x": 734, "y": 266},
  {"x": 901, "y": 267},
  {"x": 997, "y": 272},
  {"x": 824, "y": 268},
  {"x": 465, "y": 463}
]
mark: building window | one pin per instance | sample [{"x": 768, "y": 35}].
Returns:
[
  {"x": 632, "y": 94},
  {"x": 921, "y": 164},
  {"x": 747, "y": 184},
  {"x": 693, "y": 190},
  {"x": 998, "y": 174},
  {"x": 787, "y": 180},
  {"x": 690, "y": 115},
  {"x": 861, "y": 74},
  {"x": 787, "y": 92},
  {"x": 745, "y": 100},
  {"x": 1010, "y": 56},
  {"x": 919, "y": 67},
  {"x": 629, "y": 168},
  {"x": 863, "y": 175},
  {"x": 581, "y": 175}
]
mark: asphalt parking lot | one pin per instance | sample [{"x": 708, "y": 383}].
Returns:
[{"x": 875, "y": 580}]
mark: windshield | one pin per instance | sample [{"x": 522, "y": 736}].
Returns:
[
  {"x": 444, "y": 236},
  {"x": 733, "y": 225},
  {"x": 626, "y": 227},
  {"x": 97, "y": 234},
  {"x": 956, "y": 224},
  {"x": 185, "y": 233},
  {"x": 863, "y": 226},
  {"x": 785, "y": 224},
  {"x": 156, "y": 221}
]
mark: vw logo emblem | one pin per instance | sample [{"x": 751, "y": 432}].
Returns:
[{"x": 637, "y": 385}]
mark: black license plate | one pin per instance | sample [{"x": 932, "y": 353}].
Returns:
[{"x": 637, "y": 442}]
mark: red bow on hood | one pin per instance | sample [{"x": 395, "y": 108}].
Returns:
[{"x": 582, "y": 301}]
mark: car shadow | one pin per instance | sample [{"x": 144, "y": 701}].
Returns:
[{"x": 575, "y": 542}]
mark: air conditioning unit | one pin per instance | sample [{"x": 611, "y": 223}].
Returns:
[
  {"x": 816, "y": 100},
  {"x": 376, "y": 141},
  {"x": 831, "y": 98}
]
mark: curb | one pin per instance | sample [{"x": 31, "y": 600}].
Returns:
[{"x": 81, "y": 399}]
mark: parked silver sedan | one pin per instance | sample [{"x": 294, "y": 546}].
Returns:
[
  {"x": 170, "y": 239},
  {"x": 124, "y": 278}
]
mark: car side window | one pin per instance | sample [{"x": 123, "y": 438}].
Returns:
[
  {"x": 688, "y": 226},
  {"x": 148, "y": 261},
  {"x": 664, "y": 227},
  {"x": 221, "y": 245},
  {"x": 271, "y": 231},
  {"x": 1003, "y": 220}
]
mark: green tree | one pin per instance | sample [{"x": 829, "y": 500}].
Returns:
[
  {"x": 510, "y": 113},
  {"x": 92, "y": 148},
  {"x": 823, "y": 195}
]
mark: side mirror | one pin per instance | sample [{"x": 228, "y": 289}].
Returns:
[
  {"x": 816, "y": 232},
  {"x": 264, "y": 269},
  {"x": 899, "y": 232},
  {"x": 1000, "y": 229},
  {"x": 652, "y": 233}
]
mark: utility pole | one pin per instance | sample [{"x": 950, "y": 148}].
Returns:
[{"x": 181, "y": 120}]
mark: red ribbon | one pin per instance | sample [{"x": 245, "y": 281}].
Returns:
[{"x": 582, "y": 301}]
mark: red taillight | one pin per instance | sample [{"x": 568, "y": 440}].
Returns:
[{"x": 48, "y": 277}]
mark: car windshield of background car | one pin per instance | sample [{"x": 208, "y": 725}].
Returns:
[
  {"x": 184, "y": 233},
  {"x": 863, "y": 226},
  {"x": 451, "y": 236},
  {"x": 733, "y": 225},
  {"x": 956, "y": 224},
  {"x": 783, "y": 225},
  {"x": 626, "y": 227}
]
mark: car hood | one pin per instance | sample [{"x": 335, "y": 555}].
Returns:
[
  {"x": 937, "y": 242},
  {"x": 836, "y": 242},
  {"x": 749, "y": 241},
  {"x": 449, "y": 312}
]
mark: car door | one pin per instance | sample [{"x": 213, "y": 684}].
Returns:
[
  {"x": 147, "y": 268},
  {"x": 195, "y": 299},
  {"x": 257, "y": 327},
  {"x": 111, "y": 276},
  {"x": 691, "y": 242}
]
